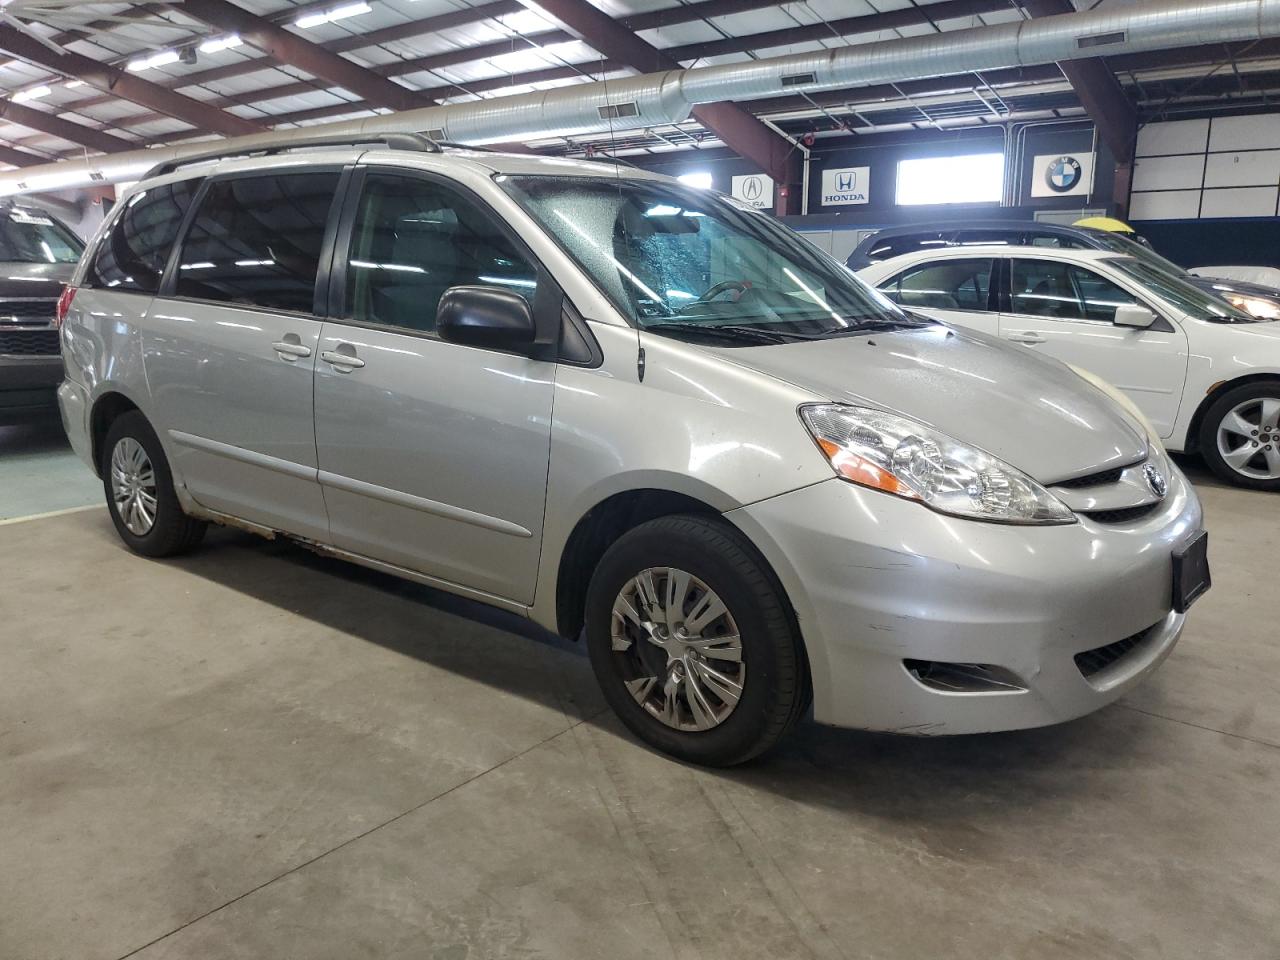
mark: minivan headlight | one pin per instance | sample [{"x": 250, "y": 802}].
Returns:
[{"x": 899, "y": 456}]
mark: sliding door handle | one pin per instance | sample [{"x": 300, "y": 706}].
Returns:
[
  {"x": 342, "y": 362},
  {"x": 291, "y": 348}
]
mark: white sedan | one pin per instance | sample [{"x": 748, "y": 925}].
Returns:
[{"x": 1205, "y": 374}]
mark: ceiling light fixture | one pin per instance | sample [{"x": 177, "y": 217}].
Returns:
[
  {"x": 219, "y": 44},
  {"x": 73, "y": 84},
  {"x": 31, "y": 93},
  {"x": 155, "y": 60},
  {"x": 329, "y": 16}
]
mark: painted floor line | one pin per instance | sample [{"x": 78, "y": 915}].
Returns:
[{"x": 52, "y": 513}]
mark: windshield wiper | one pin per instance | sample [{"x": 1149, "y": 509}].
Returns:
[{"x": 728, "y": 331}]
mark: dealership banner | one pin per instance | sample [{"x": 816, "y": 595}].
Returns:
[
  {"x": 755, "y": 189},
  {"x": 845, "y": 185},
  {"x": 1061, "y": 174}
]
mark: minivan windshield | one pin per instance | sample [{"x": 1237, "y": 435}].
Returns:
[
  {"x": 30, "y": 236},
  {"x": 685, "y": 262},
  {"x": 1185, "y": 296}
]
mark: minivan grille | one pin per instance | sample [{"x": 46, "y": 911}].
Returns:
[
  {"x": 1125, "y": 515},
  {"x": 1094, "y": 661},
  {"x": 1094, "y": 479},
  {"x": 27, "y": 311},
  {"x": 29, "y": 343}
]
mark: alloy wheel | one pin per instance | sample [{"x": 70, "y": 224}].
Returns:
[
  {"x": 1249, "y": 438},
  {"x": 679, "y": 648},
  {"x": 133, "y": 486}
]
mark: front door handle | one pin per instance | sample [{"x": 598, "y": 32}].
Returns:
[
  {"x": 342, "y": 361},
  {"x": 1026, "y": 338},
  {"x": 291, "y": 348}
]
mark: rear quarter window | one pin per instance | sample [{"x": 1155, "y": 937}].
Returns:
[{"x": 133, "y": 253}]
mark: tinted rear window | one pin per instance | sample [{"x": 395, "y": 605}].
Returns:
[
  {"x": 256, "y": 241},
  {"x": 133, "y": 255}
]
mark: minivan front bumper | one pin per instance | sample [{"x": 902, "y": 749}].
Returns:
[{"x": 905, "y": 611}]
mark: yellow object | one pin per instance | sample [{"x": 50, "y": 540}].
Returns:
[{"x": 1110, "y": 224}]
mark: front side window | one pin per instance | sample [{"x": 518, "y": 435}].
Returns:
[
  {"x": 133, "y": 254},
  {"x": 943, "y": 285},
  {"x": 1047, "y": 288},
  {"x": 681, "y": 261},
  {"x": 256, "y": 241},
  {"x": 28, "y": 235},
  {"x": 412, "y": 241}
]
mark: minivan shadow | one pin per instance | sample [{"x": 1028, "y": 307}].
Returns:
[{"x": 882, "y": 775}]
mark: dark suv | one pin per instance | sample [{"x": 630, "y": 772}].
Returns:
[
  {"x": 1255, "y": 298},
  {"x": 37, "y": 256}
]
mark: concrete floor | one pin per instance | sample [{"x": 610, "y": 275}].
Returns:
[
  {"x": 39, "y": 473},
  {"x": 256, "y": 753}
]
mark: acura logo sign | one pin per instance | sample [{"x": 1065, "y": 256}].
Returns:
[
  {"x": 752, "y": 188},
  {"x": 1155, "y": 480}
]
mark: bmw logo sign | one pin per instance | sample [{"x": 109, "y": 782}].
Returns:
[
  {"x": 1155, "y": 480},
  {"x": 1062, "y": 174}
]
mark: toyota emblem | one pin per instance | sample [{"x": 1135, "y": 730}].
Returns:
[{"x": 1155, "y": 480}]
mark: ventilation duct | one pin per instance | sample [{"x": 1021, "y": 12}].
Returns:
[{"x": 669, "y": 97}]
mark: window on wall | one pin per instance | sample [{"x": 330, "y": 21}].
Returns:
[{"x": 971, "y": 178}]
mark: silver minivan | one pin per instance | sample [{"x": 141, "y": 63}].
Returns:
[{"x": 634, "y": 411}]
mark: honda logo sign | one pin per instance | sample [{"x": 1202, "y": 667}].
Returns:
[{"x": 845, "y": 185}]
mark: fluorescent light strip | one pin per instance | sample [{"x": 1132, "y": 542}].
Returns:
[
  {"x": 31, "y": 93},
  {"x": 73, "y": 84},
  {"x": 218, "y": 44},
  {"x": 155, "y": 60},
  {"x": 329, "y": 16}
]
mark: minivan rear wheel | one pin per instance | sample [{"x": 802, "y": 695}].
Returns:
[
  {"x": 693, "y": 643},
  {"x": 139, "y": 489},
  {"x": 1240, "y": 435}
]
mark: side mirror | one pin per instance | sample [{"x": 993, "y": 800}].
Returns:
[
  {"x": 486, "y": 317},
  {"x": 1134, "y": 315}
]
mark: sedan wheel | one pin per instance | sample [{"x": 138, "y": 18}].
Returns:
[
  {"x": 1249, "y": 438},
  {"x": 679, "y": 647}
]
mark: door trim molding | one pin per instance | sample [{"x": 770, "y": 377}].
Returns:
[
  {"x": 422, "y": 504},
  {"x": 251, "y": 457}
]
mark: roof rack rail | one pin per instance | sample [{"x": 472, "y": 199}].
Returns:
[
  {"x": 455, "y": 145},
  {"x": 393, "y": 141}
]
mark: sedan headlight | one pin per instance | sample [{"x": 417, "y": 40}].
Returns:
[
  {"x": 1255, "y": 306},
  {"x": 899, "y": 456}
]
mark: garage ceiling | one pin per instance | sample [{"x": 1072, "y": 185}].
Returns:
[{"x": 109, "y": 77}]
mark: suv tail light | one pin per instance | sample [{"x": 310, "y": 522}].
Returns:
[{"x": 64, "y": 305}]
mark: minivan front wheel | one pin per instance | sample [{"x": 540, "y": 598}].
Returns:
[
  {"x": 692, "y": 641},
  {"x": 139, "y": 489}
]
